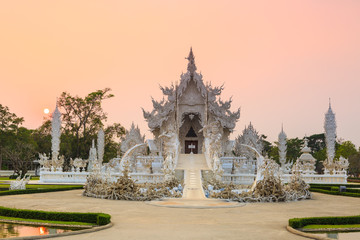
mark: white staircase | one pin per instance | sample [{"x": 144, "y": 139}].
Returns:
[
  {"x": 192, "y": 164},
  {"x": 192, "y": 161}
]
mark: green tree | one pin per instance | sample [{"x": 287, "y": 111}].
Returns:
[
  {"x": 113, "y": 134},
  {"x": 346, "y": 149},
  {"x": 83, "y": 117},
  {"x": 316, "y": 142},
  {"x": 354, "y": 165},
  {"x": 294, "y": 146},
  {"x": 42, "y": 137},
  {"x": 317, "y": 145},
  {"x": 9, "y": 125},
  {"x": 20, "y": 154},
  {"x": 267, "y": 145},
  {"x": 274, "y": 153}
]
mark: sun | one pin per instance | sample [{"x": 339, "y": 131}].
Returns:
[{"x": 46, "y": 111}]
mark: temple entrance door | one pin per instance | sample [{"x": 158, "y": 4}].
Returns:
[{"x": 191, "y": 146}]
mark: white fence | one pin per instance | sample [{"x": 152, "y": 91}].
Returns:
[
  {"x": 80, "y": 177},
  {"x": 248, "y": 179},
  {"x": 11, "y": 172}
]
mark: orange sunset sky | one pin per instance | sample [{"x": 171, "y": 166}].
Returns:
[{"x": 280, "y": 60}]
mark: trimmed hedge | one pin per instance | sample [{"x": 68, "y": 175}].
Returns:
[
  {"x": 41, "y": 190},
  {"x": 302, "y": 222},
  {"x": 348, "y": 193},
  {"x": 313, "y": 185},
  {"x": 333, "y": 189},
  {"x": 93, "y": 218}
]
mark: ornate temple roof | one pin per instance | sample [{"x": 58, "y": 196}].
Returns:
[{"x": 218, "y": 108}]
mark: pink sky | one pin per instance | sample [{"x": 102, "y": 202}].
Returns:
[{"x": 280, "y": 60}]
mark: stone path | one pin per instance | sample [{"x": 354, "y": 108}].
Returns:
[{"x": 139, "y": 220}]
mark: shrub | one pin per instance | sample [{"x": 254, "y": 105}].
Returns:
[
  {"x": 302, "y": 222},
  {"x": 94, "y": 218},
  {"x": 41, "y": 190},
  {"x": 347, "y": 193}
]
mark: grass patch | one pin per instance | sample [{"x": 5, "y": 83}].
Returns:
[
  {"x": 332, "y": 226},
  {"x": 46, "y": 221}
]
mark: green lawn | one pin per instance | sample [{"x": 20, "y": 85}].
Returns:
[
  {"x": 45, "y": 221},
  {"x": 332, "y": 226}
]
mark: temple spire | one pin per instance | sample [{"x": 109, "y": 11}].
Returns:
[{"x": 191, "y": 65}]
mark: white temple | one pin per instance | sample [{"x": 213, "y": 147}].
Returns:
[{"x": 192, "y": 125}]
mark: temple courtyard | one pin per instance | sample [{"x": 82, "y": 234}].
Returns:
[{"x": 141, "y": 220}]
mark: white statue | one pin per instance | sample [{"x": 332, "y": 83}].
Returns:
[
  {"x": 55, "y": 133},
  {"x": 44, "y": 161},
  {"x": 19, "y": 183},
  {"x": 132, "y": 138},
  {"x": 306, "y": 162},
  {"x": 285, "y": 167},
  {"x": 92, "y": 156},
  {"x": 330, "y": 138},
  {"x": 213, "y": 146},
  {"x": 78, "y": 164},
  {"x": 249, "y": 137},
  {"x": 100, "y": 146},
  {"x": 171, "y": 148},
  {"x": 57, "y": 163}
]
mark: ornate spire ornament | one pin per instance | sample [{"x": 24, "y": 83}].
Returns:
[
  {"x": 100, "y": 145},
  {"x": 330, "y": 133},
  {"x": 191, "y": 65},
  {"x": 55, "y": 133},
  {"x": 282, "y": 147}
]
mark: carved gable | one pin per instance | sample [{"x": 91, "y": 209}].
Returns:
[{"x": 191, "y": 95}]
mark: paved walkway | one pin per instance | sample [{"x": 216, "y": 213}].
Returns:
[{"x": 139, "y": 220}]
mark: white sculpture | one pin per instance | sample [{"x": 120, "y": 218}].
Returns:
[
  {"x": 57, "y": 163},
  {"x": 213, "y": 146},
  {"x": 92, "y": 157},
  {"x": 19, "y": 183},
  {"x": 330, "y": 138},
  {"x": 259, "y": 164},
  {"x": 44, "y": 161},
  {"x": 132, "y": 138},
  {"x": 332, "y": 165},
  {"x": 100, "y": 146},
  {"x": 78, "y": 164},
  {"x": 124, "y": 165},
  {"x": 55, "y": 133},
  {"x": 341, "y": 165},
  {"x": 285, "y": 167},
  {"x": 171, "y": 148},
  {"x": 306, "y": 162},
  {"x": 249, "y": 137}
]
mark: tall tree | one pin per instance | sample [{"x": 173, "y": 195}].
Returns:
[
  {"x": 9, "y": 125},
  {"x": 346, "y": 149},
  {"x": 83, "y": 117},
  {"x": 294, "y": 146},
  {"x": 354, "y": 165},
  {"x": 21, "y": 153}
]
